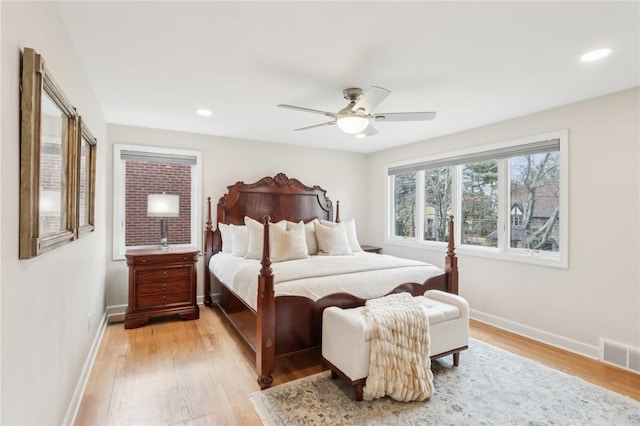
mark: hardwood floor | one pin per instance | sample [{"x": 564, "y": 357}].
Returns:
[{"x": 173, "y": 372}]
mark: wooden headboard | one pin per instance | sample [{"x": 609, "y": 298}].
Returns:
[{"x": 277, "y": 197}]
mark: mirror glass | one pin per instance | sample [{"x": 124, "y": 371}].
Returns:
[
  {"x": 53, "y": 127},
  {"x": 83, "y": 202}
]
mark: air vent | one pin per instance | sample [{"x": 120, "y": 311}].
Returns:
[{"x": 620, "y": 355}]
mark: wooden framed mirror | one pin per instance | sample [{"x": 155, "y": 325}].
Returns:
[
  {"x": 49, "y": 128},
  {"x": 86, "y": 180}
]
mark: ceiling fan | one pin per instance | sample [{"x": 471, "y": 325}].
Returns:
[{"x": 358, "y": 117}]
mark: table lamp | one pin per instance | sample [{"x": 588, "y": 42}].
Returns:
[{"x": 163, "y": 206}]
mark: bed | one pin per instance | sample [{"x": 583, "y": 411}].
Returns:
[{"x": 277, "y": 322}]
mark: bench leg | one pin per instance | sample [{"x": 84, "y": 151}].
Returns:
[
  {"x": 358, "y": 391},
  {"x": 334, "y": 375},
  {"x": 456, "y": 359}
]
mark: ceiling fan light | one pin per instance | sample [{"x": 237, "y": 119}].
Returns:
[
  {"x": 353, "y": 124},
  {"x": 594, "y": 55}
]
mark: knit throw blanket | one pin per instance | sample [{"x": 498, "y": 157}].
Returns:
[{"x": 399, "y": 363}]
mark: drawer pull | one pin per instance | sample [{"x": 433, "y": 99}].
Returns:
[
  {"x": 164, "y": 298},
  {"x": 164, "y": 274},
  {"x": 143, "y": 260},
  {"x": 164, "y": 286}
]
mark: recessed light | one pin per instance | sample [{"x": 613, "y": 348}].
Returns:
[
  {"x": 594, "y": 55},
  {"x": 204, "y": 112},
  {"x": 361, "y": 135}
]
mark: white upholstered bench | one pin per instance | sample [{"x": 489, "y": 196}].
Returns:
[{"x": 346, "y": 335}]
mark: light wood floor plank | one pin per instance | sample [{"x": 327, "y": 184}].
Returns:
[{"x": 200, "y": 372}]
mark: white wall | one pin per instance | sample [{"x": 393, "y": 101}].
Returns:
[
  {"x": 599, "y": 294},
  {"x": 228, "y": 160},
  {"x": 46, "y": 300}
]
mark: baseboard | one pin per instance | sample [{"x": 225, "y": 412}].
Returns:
[
  {"x": 116, "y": 313},
  {"x": 551, "y": 339},
  {"x": 76, "y": 399}
]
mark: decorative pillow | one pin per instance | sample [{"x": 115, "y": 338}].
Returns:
[
  {"x": 225, "y": 234},
  {"x": 287, "y": 244},
  {"x": 309, "y": 233},
  {"x": 332, "y": 240},
  {"x": 239, "y": 240},
  {"x": 256, "y": 237},
  {"x": 352, "y": 236}
]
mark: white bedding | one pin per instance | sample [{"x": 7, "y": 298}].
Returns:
[{"x": 365, "y": 275}]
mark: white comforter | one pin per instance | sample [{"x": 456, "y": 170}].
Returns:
[{"x": 364, "y": 275}]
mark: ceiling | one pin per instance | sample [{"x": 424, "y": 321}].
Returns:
[{"x": 153, "y": 64}]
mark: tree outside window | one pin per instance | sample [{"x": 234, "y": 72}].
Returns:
[
  {"x": 437, "y": 203},
  {"x": 405, "y": 203},
  {"x": 535, "y": 189},
  {"x": 479, "y": 203}
]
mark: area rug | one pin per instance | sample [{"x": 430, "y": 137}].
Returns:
[{"x": 490, "y": 387}]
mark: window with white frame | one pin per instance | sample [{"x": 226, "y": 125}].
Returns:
[
  {"x": 140, "y": 171},
  {"x": 509, "y": 200}
]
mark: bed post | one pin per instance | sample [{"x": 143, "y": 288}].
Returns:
[
  {"x": 451, "y": 261},
  {"x": 337, "y": 211},
  {"x": 265, "y": 316},
  {"x": 208, "y": 252}
]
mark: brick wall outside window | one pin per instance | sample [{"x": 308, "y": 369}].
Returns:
[{"x": 146, "y": 177}]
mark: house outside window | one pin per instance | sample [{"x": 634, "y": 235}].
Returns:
[
  {"x": 142, "y": 170},
  {"x": 510, "y": 200}
]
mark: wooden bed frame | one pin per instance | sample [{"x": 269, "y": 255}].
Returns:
[{"x": 287, "y": 324}]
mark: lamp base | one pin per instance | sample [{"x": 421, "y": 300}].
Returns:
[{"x": 164, "y": 234}]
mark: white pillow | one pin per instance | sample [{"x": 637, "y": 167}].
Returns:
[
  {"x": 352, "y": 236},
  {"x": 309, "y": 234},
  {"x": 287, "y": 244},
  {"x": 332, "y": 240},
  {"x": 225, "y": 235},
  {"x": 239, "y": 240},
  {"x": 256, "y": 237}
]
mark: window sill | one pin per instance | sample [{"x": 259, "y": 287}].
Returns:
[{"x": 532, "y": 258}]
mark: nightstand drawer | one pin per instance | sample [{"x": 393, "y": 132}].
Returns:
[
  {"x": 163, "y": 275},
  {"x": 160, "y": 287},
  {"x": 165, "y": 258},
  {"x": 157, "y": 300}
]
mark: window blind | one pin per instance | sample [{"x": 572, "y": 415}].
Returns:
[
  {"x": 550, "y": 145},
  {"x": 186, "y": 160}
]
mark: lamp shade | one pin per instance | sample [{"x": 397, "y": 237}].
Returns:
[
  {"x": 352, "y": 123},
  {"x": 163, "y": 205}
]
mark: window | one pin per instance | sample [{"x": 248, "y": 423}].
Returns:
[
  {"x": 509, "y": 199},
  {"x": 404, "y": 208},
  {"x": 437, "y": 203},
  {"x": 140, "y": 171},
  {"x": 479, "y": 203}
]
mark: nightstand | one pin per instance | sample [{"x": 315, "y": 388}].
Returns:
[
  {"x": 371, "y": 249},
  {"x": 162, "y": 282}
]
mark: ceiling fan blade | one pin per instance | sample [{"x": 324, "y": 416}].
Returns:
[
  {"x": 370, "y": 99},
  {"x": 316, "y": 125},
  {"x": 315, "y": 111},
  {"x": 404, "y": 116}
]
